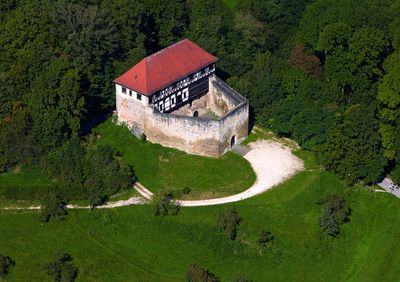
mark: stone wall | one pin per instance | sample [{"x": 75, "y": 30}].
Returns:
[
  {"x": 200, "y": 105},
  {"x": 131, "y": 113},
  {"x": 194, "y": 135},
  {"x": 190, "y": 134},
  {"x": 234, "y": 124}
]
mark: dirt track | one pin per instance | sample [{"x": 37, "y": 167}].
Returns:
[{"x": 272, "y": 162}]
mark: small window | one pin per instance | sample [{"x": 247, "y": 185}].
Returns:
[
  {"x": 130, "y": 93},
  {"x": 139, "y": 97},
  {"x": 123, "y": 90}
]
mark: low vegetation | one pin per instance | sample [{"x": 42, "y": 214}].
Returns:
[
  {"x": 62, "y": 269},
  {"x": 334, "y": 212},
  {"x": 264, "y": 238},
  {"x": 78, "y": 170},
  {"x": 197, "y": 273},
  {"x": 228, "y": 222},
  {"x": 165, "y": 204},
  {"x": 5, "y": 264},
  {"x": 52, "y": 207}
]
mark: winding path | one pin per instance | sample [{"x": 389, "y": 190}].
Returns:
[{"x": 271, "y": 162}]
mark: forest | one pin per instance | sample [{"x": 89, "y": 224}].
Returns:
[{"x": 325, "y": 73}]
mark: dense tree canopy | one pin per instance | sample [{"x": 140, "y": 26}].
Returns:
[{"x": 323, "y": 72}]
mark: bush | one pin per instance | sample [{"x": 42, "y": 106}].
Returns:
[
  {"x": 62, "y": 268},
  {"x": 228, "y": 222},
  {"x": 186, "y": 190},
  {"x": 329, "y": 223},
  {"x": 264, "y": 237},
  {"x": 92, "y": 173},
  {"x": 196, "y": 273},
  {"x": 52, "y": 206},
  {"x": 334, "y": 212},
  {"x": 165, "y": 204},
  {"x": 5, "y": 263}
]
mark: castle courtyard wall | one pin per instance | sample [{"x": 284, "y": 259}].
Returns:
[{"x": 194, "y": 135}]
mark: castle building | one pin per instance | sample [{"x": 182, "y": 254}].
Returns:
[{"x": 174, "y": 98}]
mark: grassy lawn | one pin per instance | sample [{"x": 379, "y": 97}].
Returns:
[
  {"x": 27, "y": 176},
  {"x": 159, "y": 168},
  {"x": 130, "y": 244}
]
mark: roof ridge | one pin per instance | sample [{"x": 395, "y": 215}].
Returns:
[
  {"x": 159, "y": 52},
  {"x": 166, "y": 66}
]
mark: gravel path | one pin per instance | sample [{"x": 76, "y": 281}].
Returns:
[
  {"x": 108, "y": 205},
  {"x": 272, "y": 162}
]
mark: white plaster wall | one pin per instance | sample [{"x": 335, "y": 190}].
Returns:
[{"x": 118, "y": 91}]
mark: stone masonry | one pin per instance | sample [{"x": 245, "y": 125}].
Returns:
[{"x": 200, "y": 135}]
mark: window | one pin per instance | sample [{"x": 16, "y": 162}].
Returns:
[
  {"x": 130, "y": 93},
  {"x": 173, "y": 101},
  {"x": 139, "y": 97},
  {"x": 185, "y": 94},
  {"x": 123, "y": 90}
]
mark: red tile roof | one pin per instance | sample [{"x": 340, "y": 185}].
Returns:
[{"x": 165, "y": 67}]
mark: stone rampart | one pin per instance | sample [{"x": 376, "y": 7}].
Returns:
[{"x": 194, "y": 135}]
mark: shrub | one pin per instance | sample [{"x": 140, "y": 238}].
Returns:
[
  {"x": 197, "y": 273},
  {"x": 329, "y": 223},
  {"x": 334, "y": 212},
  {"x": 5, "y": 263},
  {"x": 52, "y": 206},
  {"x": 186, "y": 190},
  {"x": 165, "y": 204},
  {"x": 228, "y": 222},
  {"x": 264, "y": 237},
  {"x": 62, "y": 268}
]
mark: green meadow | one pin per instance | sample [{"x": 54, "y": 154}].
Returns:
[{"x": 130, "y": 244}]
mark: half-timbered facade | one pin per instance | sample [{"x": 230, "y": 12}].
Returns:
[
  {"x": 177, "y": 87},
  {"x": 182, "y": 91}
]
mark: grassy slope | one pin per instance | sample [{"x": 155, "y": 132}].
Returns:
[
  {"x": 28, "y": 176},
  {"x": 130, "y": 244},
  {"x": 162, "y": 168}
]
